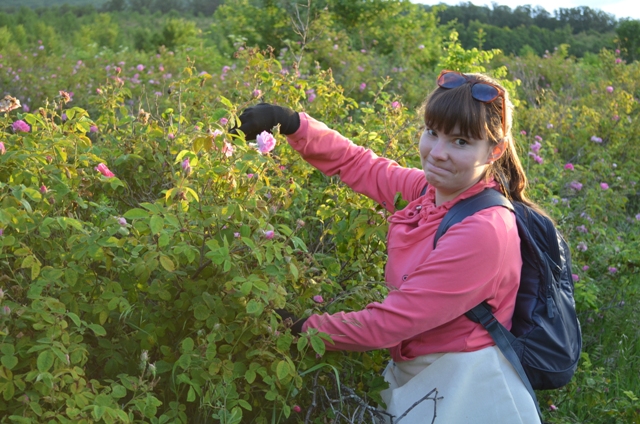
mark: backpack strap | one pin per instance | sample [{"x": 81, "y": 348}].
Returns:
[
  {"x": 503, "y": 339},
  {"x": 467, "y": 207},
  {"x": 482, "y": 313}
]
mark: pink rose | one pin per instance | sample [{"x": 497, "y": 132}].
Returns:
[
  {"x": 569, "y": 166},
  {"x": 266, "y": 142},
  {"x": 20, "y": 126},
  {"x": 269, "y": 234},
  {"x": 102, "y": 168},
  {"x": 318, "y": 299}
]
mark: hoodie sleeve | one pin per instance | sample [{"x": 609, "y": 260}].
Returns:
[
  {"x": 360, "y": 168},
  {"x": 474, "y": 261}
]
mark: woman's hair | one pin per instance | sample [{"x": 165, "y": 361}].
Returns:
[{"x": 446, "y": 108}]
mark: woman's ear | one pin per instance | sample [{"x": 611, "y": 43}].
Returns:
[{"x": 497, "y": 151}]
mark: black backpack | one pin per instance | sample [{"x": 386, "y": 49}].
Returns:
[{"x": 545, "y": 340}]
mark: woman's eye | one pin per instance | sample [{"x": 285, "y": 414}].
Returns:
[
  {"x": 460, "y": 142},
  {"x": 430, "y": 132}
]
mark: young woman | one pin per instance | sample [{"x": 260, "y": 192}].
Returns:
[{"x": 466, "y": 147}]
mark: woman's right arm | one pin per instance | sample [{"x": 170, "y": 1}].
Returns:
[{"x": 361, "y": 169}]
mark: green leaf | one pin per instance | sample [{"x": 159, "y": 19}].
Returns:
[
  {"x": 45, "y": 360},
  {"x": 118, "y": 391},
  {"x": 156, "y": 224},
  {"x": 254, "y": 307},
  {"x": 9, "y": 361},
  {"x": 191, "y": 395},
  {"x": 250, "y": 376},
  {"x": 167, "y": 263},
  {"x": 243, "y": 403},
  {"x": 75, "y": 318},
  {"x": 136, "y": 213},
  {"x": 318, "y": 345},
  {"x": 98, "y": 329},
  {"x": 282, "y": 370},
  {"x": 7, "y": 349},
  {"x": 187, "y": 345},
  {"x": 201, "y": 312}
]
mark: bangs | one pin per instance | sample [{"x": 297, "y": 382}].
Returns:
[{"x": 446, "y": 109}]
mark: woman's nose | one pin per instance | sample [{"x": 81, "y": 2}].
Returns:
[{"x": 438, "y": 150}]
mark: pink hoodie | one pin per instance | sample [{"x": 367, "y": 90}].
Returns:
[{"x": 429, "y": 290}]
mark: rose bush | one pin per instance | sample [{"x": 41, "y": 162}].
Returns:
[{"x": 140, "y": 284}]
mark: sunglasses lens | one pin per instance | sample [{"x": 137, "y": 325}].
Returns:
[
  {"x": 484, "y": 92},
  {"x": 451, "y": 80}
]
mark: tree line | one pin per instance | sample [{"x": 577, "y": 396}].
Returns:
[{"x": 518, "y": 31}]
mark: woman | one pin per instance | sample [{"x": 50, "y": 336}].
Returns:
[{"x": 466, "y": 147}]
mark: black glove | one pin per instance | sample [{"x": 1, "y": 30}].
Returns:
[
  {"x": 290, "y": 321},
  {"x": 264, "y": 116}
]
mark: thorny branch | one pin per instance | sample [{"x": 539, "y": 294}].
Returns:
[{"x": 343, "y": 405}]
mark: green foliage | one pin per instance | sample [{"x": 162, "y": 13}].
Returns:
[{"x": 150, "y": 296}]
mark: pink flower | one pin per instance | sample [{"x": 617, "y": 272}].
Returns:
[
  {"x": 102, "y": 168},
  {"x": 266, "y": 142},
  {"x": 638, "y": 217},
  {"x": 3, "y": 150},
  {"x": 318, "y": 299},
  {"x": 171, "y": 136},
  {"x": 421, "y": 46},
  {"x": 618, "y": 60},
  {"x": 523, "y": 132},
  {"x": 585, "y": 268},
  {"x": 93, "y": 129},
  {"x": 236, "y": 235},
  {"x": 609, "y": 89},
  {"x": 615, "y": 117},
  {"x": 535, "y": 147},
  {"x": 312, "y": 97},
  {"x": 363, "y": 86},
  {"x": 224, "y": 121},
  {"x": 43, "y": 189},
  {"x": 186, "y": 166},
  {"x": 596, "y": 139},
  {"x": 227, "y": 149},
  {"x": 6, "y": 310},
  {"x": 257, "y": 93},
  {"x": 582, "y": 229},
  {"x": 250, "y": 175},
  {"x": 604, "y": 186},
  {"x": 549, "y": 125},
  {"x": 575, "y": 185},
  {"x": 553, "y": 408},
  {"x": 395, "y": 105},
  {"x": 140, "y": 68},
  {"x": 582, "y": 246},
  {"x": 122, "y": 221},
  {"x": 269, "y": 234},
  {"x": 613, "y": 269},
  {"x": 98, "y": 91},
  {"x": 575, "y": 277},
  {"x": 569, "y": 166},
  {"x": 537, "y": 138},
  {"x": 538, "y": 159},
  {"x": 296, "y": 408},
  {"x": 1, "y": 231},
  {"x": 20, "y": 126}
]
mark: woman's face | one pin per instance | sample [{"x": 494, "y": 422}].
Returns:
[{"x": 454, "y": 162}]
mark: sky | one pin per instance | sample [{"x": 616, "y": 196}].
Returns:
[{"x": 618, "y": 8}]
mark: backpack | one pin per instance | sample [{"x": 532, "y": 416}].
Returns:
[{"x": 545, "y": 341}]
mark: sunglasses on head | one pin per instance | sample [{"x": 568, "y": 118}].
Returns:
[{"x": 481, "y": 91}]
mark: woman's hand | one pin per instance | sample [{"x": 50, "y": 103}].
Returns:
[{"x": 263, "y": 117}]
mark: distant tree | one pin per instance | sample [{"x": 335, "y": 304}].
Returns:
[
  {"x": 204, "y": 7},
  {"x": 628, "y": 32},
  {"x": 584, "y": 18},
  {"x": 114, "y": 6}
]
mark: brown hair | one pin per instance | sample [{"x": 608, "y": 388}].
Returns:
[{"x": 444, "y": 109}]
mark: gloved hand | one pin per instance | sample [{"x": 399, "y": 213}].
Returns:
[
  {"x": 290, "y": 321},
  {"x": 264, "y": 116}
]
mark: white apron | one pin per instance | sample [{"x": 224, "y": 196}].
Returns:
[{"x": 475, "y": 387}]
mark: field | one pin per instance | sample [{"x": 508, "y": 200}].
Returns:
[{"x": 144, "y": 249}]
